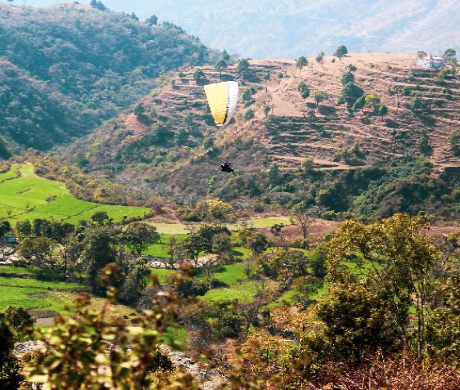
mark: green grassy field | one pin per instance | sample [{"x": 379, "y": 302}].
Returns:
[
  {"x": 182, "y": 229},
  {"x": 12, "y": 270},
  {"x": 162, "y": 274},
  {"x": 44, "y": 296},
  {"x": 21, "y": 282},
  {"x": 30, "y": 196},
  {"x": 8, "y": 175},
  {"x": 33, "y": 298},
  {"x": 35, "y": 294}
]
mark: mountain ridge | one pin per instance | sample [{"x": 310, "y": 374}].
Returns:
[
  {"x": 67, "y": 68},
  {"x": 291, "y": 28}
]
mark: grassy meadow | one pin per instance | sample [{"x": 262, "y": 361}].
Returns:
[{"x": 27, "y": 196}]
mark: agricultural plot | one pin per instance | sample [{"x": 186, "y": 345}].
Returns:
[
  {"x": 29, "y": 196},
  {"x": 175, "y": 229},
  {"x": 35, "y": 294},
  {"x": 11, "y": 174},
  {"x": 44, "y": 299}
]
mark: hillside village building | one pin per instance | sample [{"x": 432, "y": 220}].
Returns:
[{"x": 431, "y": 62}]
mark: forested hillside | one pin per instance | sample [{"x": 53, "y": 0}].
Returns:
[
  {"x": 65, "y": 69},
  {"x": 372, "y": 134}
]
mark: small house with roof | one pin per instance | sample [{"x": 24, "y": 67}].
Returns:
[{"x": 431, "y": 62}]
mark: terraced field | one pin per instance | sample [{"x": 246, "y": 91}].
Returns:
[
  {"x": 293, "y": 134},
  {"x": 26, "y": 196},
  {"x": 284, "y": 127}
]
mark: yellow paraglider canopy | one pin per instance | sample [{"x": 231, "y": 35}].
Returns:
[{"x": 222, "y": 99}]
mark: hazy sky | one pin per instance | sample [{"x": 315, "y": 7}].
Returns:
[{"x": 289, "y": 28}]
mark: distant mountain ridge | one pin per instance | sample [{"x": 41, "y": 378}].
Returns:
[
  {"x": 290, "y": 28},
  {"x": 67, "y": 68}
]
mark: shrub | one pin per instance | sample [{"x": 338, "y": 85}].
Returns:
[
  {"x": 301, "y": 62},
  {"x": 341, "y": 51},
  {"x": 248, "y": 115},
  {"x": 320, "y": 57},
  {"x": 302, "y": 87}
]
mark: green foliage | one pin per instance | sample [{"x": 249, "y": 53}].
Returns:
[
  {"x": 152, "y": 20},
  {"x": 351, "y": 93},
  {"x": 257, "y": 242},
  {"x": 139, "y": 235},
  {"x": 284, "y": 265},
  {"x": 382, "y": 110},
  {"x": 243, "y": 68},
  {"x": 450, "y": 55},
  {"x": 162, "y": 135},
  {"x": 417, "y": 103},
  {"x": 39, "y": 247},
  {"x": 100, "y": 218},
  {"x": 199, "y": 75},
  {"x": 351, "y": 68},
  {"x": 77, "y": 67},
  {"x": 401, "y": 257},
  {"x": 319, "y": 58},
  {"x": 135, "y": 360},
  {"x": 135, "y": 283},
  {"x": 209, "y": 143},
  {"x": 221, "y": 66},
  {"x": 319, "y": 96},
  {"x": 248, "y": 96},
  {"x": 443, "y": 329},
  {"x": 423, "y": 144},
  {"x": 358, "y": 320},
  {"x": 373, "y": 101},
  {"x": 348, "y": 77},
  {"x": 454, "y": 141},
  {"x": 139, "y": 111},
  {"x": 10, "y": 376},
  {"x": 225, "y": 56},
  {"x": 4, "y": 152},
  {"x": 301, "y": 62},
  {"x": 341, "y": 51},
  {"x": 99, "y": 251},
  {"x": 302, "y": 87},
  {"x": 248, "y": 115},
  {"x": 98, "y": 5},
  {"x": 19, "y": 322},
  {"x": 359, "y": 103},
  {"x": 181, "y": 137}
]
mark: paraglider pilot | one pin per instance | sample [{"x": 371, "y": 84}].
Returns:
[{"x": 227, "y": 167}]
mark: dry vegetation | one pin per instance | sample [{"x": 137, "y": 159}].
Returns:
[{"x": 291, "y": 134}]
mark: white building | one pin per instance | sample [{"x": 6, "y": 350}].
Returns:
[{"x": 431, "y": 62}]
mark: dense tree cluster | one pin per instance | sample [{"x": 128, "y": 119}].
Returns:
[
  {"x": 377, "y": 191},
  {"x": 362, "y": 300},
  {"x": 89, "y": 251},
  {"x": 65, "y": 69}
]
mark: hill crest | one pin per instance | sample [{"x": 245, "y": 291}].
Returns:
[{"x": 294, "y": 128}]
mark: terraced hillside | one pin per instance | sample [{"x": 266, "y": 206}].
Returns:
[
  {"x": 323, "y": 134},
  {"x": 24, "y": 195},
  {"x": 421, "y": 119}
]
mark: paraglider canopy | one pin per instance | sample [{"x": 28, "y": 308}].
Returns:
[{"x": 222, "y": 100}]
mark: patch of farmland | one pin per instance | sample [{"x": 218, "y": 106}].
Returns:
[{"x": 29, "y": 196}]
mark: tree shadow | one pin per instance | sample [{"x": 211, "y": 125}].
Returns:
[{"x": 327, "y": 110}]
